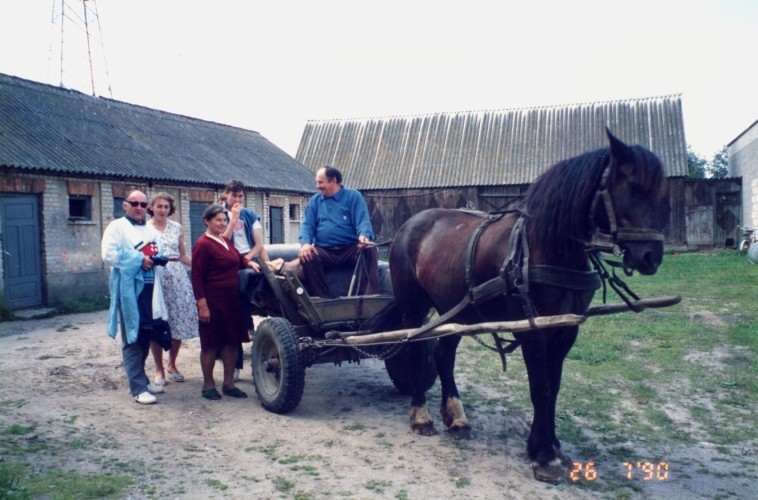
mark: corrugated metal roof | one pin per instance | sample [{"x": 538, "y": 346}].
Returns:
[
  {"x": 49, "y": 128},
  {"x": 480, "y": 148}
]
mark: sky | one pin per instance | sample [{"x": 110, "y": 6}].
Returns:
[{"x": 271, "y": 66}]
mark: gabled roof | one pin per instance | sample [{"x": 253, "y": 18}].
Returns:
[
  {"x": 48, "y": 128},
  {"x": 480, "y": 148}
]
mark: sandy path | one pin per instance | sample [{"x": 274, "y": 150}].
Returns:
[{"x": 348, "y": 438}]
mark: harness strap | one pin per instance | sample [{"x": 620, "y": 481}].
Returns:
[{"x": 473, "y": 242}]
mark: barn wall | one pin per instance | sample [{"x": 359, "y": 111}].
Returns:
[
  {"x": 743, "y": 162},
  {"x": 713, "y": 212},
  {"x": 389, "y": 209}
]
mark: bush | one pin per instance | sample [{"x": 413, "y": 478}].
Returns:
[
  {"x": 85, "y": 304},
  {"x": 5, "y": 313}
]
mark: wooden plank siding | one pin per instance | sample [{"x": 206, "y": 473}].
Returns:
[
  {"x": 713, "y": 212},
  {"x": 704, "y": 212}
]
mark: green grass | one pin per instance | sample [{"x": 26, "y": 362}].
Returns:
[
  {"x": 650, "y": 378},
  {"x": 83, "y": 305},
  {"x": 58, "y": 484}
]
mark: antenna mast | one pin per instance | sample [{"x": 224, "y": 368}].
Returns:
[{"x": 84, "y": 66}]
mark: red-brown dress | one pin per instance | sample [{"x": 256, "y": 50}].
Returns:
[{"x": 215, "y": 278}]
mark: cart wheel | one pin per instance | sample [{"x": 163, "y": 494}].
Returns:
[
  {"x": 400, "y": 373},
  {"x": 278, "y": 366}
]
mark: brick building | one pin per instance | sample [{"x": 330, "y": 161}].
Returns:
[
  {"x": 743, "y": 162},
  {"x": 67, "y": 160}
]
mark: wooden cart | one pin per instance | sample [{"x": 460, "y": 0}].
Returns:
[{"x": 301, "y": 331}]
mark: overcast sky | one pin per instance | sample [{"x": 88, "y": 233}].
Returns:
[{"x": 270, "y": 66}]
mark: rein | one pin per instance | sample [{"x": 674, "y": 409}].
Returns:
[{"x": 516, "y": 274}]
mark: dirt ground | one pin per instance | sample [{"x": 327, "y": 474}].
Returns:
[{"x": 349, "y": 438}]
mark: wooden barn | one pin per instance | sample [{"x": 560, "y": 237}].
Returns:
[{"x": 487, "y": 159}]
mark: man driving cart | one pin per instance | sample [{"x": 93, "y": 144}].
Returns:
[{"x": 335, "y": 231}]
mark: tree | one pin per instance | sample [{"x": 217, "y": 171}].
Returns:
[
  {"x": 718, "y": 168},
  {"x": 696, "y": 163}
]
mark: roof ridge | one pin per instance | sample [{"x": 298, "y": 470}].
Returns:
[
  {"x": 439, "y": 113},
  {"x": 73, "y": 93}
]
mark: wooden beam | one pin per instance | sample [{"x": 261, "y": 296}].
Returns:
[{"x": 456, "y": 329}]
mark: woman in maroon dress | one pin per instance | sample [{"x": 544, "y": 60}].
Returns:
[{"x": 215, "y": 264}]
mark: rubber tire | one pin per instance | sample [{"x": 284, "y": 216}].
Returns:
[
  {"x": 281, "y": 389},
  {"x": 398, "y": 368}
]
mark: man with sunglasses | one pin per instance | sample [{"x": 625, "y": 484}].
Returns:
[{"x": 132, "y": 249}]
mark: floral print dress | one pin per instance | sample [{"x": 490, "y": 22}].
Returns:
[{"x": 177, "y": 289}]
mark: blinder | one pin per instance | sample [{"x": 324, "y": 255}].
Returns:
[{"x": 611, "y": 241}]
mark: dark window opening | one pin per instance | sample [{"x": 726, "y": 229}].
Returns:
[
  {"x": 79, "y": 208},
  {"x": 294, "y": 212},
  {"x": 118, "y": 207}
]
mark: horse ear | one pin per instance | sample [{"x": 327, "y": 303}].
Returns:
[{"x": 619, "y": 150}]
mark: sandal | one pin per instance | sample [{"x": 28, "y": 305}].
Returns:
[
  {"x": 176, "y": 377},
  {"x": 235, "y": 393},
  {"x": 212, "y": 394},
  {"x": 160, "y": 382}
]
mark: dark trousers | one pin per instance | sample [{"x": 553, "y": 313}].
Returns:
[
  {"x": 135, "y": 354},
  {"x": 336, "y": 257}
]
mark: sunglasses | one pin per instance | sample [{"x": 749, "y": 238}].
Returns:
[{"x": 137, "y": 203}]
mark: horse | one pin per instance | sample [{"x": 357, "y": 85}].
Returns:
[{"x": 618, "y": 192}]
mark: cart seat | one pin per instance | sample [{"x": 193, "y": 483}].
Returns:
[{"x": 338, "y": 280}]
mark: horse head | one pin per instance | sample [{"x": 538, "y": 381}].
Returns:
[{"x": 636, "y": 190}]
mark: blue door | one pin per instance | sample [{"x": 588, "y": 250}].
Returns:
[
  {"x": 197, "y": 225},
  {"x": 22, "y": 270},
  {"x": 277, "y": 224}
]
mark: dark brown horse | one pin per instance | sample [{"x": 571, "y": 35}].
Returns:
[{"x": 428, "y": 260}]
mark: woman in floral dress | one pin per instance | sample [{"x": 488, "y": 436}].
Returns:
[{"x": 177, "y": 289}]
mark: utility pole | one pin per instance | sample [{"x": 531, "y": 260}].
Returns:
[{"x": 84, "y": 66}]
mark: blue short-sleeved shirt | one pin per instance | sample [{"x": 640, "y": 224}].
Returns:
[{"x": 337, "y": 220}]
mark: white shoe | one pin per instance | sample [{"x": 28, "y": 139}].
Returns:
[
  {"x": 154, "y": 389},
  {"x": 236, "y": 376},
  {"x": 146, "y": 398}
]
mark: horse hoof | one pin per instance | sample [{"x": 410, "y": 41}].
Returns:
[
  {"x": 424, "y": 430},
  {"x": 461, "y": 433},
  {"x": 552, "y": 473}
]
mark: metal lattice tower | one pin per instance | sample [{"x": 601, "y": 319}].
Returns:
[{"x": 77, "y": 52}]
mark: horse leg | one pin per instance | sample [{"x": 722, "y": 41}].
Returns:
[
  {"x": 539, "y": 445},
  {"x": 452, "y": 409},
  {"x": 420, "y": 419},
  {"x": 560, "y": 345},
  {"x": 413, "y": 306}
]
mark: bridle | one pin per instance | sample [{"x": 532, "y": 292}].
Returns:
[{"x": 611, "y": 241}]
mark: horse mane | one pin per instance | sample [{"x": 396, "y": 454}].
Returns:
[{"x": 559, "y": 201}]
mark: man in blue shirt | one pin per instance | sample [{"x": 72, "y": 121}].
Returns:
[{"x": 335, "y": 230}]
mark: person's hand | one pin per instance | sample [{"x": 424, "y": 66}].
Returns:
[
  {"x": 307, "y": 251},
  {"x": 254, "y": 266},
  {"x": 147, "y": 263},
  {"x": 362, "y": 241},
  {"x": 203, "y": 312},
  {"x": 236, "y": 210}
]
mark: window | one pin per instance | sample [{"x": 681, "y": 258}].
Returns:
[
  {"x": 294, "y": 212},
  {"x": 79, "y": 207},
  {"x": 118, "y": 207}
]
